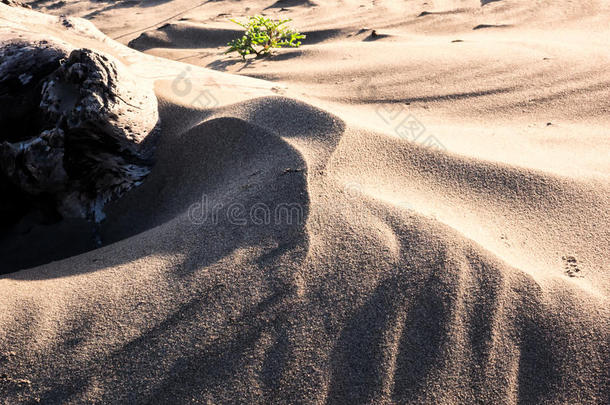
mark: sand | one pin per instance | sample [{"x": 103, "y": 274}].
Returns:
[{"x": 416, "y": 216}]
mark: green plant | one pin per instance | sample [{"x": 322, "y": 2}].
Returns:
[{"x": 262, "y": 35}]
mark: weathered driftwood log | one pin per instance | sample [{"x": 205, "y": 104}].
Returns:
[
  {"x": 76, "y": 126},
  {"x": 14, "y": 3}
]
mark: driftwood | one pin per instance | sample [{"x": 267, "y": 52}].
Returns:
[
  {"x": 14, "y": 3},
  {"x": 75, "y": 128}
]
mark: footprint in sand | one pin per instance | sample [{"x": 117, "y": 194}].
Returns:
[{"x": 571, "y": 266}]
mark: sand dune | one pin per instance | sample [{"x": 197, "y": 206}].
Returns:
[{"x": 416, "y": 216}]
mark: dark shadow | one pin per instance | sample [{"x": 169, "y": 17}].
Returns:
[
  {"x": 32, "y": 242},
  {"x": 361, "y": 353},
  {"x": 291, "y": 3},
  {"x": 276, "y": 56},
  {"x": 484, "y": 2},
  {"x": 375, "y": 36},
  {"x": 317, "y": 36},
  {"x": 231, "y": 173},
  {"x": 227, "y": 150},
  {"x": 539, "y": 375},
  {"x": 195, "y": 365},
  {"x": 484, "y": 26},
  {"x": 223, "y": 64},
  {"x": 225, "y": 161},
  {"x": 448, "y": 12},
  {"x": 184, "y": 36},
  {"x": 442, "y": 97},
  {"x": 191, "y": 36},
  {"x": 286, "y": 54}
]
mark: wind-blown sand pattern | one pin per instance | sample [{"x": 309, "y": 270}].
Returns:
[{"x": 419, "y": 214}]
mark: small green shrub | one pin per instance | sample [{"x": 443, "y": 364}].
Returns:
[{"x": 262, "y": 35}]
